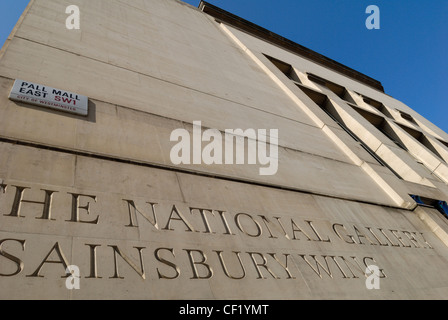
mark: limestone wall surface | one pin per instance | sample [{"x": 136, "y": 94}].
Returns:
[{"x": 102, "y": 193}]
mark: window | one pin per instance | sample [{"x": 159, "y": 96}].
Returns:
[
  {"x": 392, "y": 138},
  {"x": 425, "y": 141},
  {"x": 420, "y": 137},
  {"x": 415, "y": 133},
  {"x": 373, "y": 118},
  {"x": 322, "y": 100},
  {"x": 377, "y": 105},
  {"x": 407, "y": 117},
  {"x": 284, "y": 67},
  {"x": 443, "y": 142},
  {"x": 340, "y": 91},
  {"x": 439, "y": 205},
  {"x": 377, "y": 120},
  {"x": 317, "y": 79},
  {"x": 382, "y": 125}
]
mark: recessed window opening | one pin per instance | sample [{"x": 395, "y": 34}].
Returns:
[
  {"x": 373, "y": 118},
  {"x": 443, "y": 142},
  {"x": 318, "y": 97},
  {"x": 389, "y": 132},
  {"x": 340, "y": 91},
  {"x": 284, "y": 67},
  {"x": 317, "y": 79},
  {"x": 382, "y": 125},
  {"x": 407, "y": 117},
  {"x": 392, "y": 138},
  {"x": 376, "y": 104},
  {"x": 415, "y": 133},
  {"x": 322, "y": 101},
  {"x": 439, "y": 205},
  {"x": 425, "y": 141}
]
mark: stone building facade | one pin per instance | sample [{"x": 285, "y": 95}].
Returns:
[{"x": 353, "y": 207}]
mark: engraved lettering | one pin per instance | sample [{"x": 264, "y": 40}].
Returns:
[
  {"x": 266, "y": 222},
  {"x": 310, "y": 223},
  {"x": 376, "y": 237},
  {"x": 261, "y": 264},
  {"x": 344, "y": 276},
  {"x": 75, "y": 217},
  {"x": 168, "y": 263},
  {"x": 141, "y": 271},
  {"x": 19, "y": 264},
  {"x": 383, "y": 275},
  {"x": 180, "y": 217},
  {"x": 357, "y": 267},
  {"x": 296, "y": 228},
  {"x": 360, "y": 235},
  {"x": 257, "y": 225},
  {"x": 62, "y": 260},
  {"x": 393, "y": 244},
  {"x": 283, "y": 228},
  {"x": 318, "y": 264},
  {"x": 424, "y": 240},
  {"x": 203, "y": 213},
  {"x": 348, "y": 238},
  {"x": 133, "y": 210},
  {"x": 224, "y": 267},
  {"x": 399, "y": 238},
  {"x": 225, "y": 223},
  {"x": 412, "y": 238},
  {"x": 93, "y": 264},
  {"x": 284, "y": 265},
  {"x": 193, "y": 263},
  {"x": 15, "y": 212},
  {"x": 18, "y": 200}
]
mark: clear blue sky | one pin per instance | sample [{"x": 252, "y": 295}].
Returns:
[{"x": 409, "y": 54}]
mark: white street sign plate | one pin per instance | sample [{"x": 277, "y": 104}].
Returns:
[{"x": 44, "y": 96}]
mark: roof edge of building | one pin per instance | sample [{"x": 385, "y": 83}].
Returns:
[{"x": 254, "y": 29}]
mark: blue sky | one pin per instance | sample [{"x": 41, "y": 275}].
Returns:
[{"x": 409, "y": 54}]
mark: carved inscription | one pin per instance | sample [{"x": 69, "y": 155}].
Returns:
[{"x": 168, "y": 262}]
